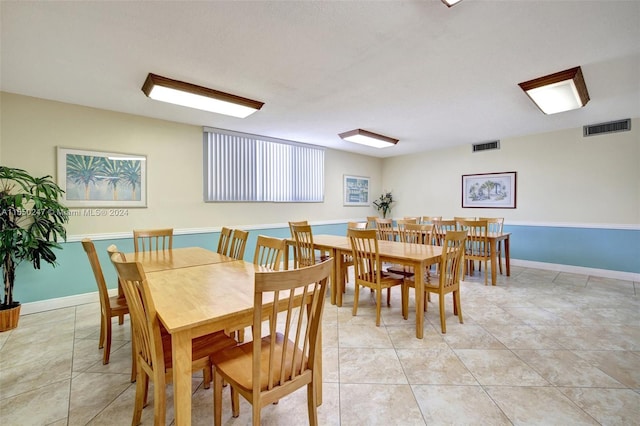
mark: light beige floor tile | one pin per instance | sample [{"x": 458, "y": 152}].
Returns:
[
  {"x": 405, "y": 337},
  {"x": 363, "y": 336},
  {"x": 564, "y": 368},
  {"x": 623, "y": 366},
  {"x": 499, "y": 367},
  {"x": 34, "y": 375},
  {"x": 471, "y": 337},
  {"x": 92, "y": 392},
  {"x": 457, "y": 405},
  {"x": 538, "y": 405},
  {"x": 522, "y": 337},
  {"x": 368, "y": 365},
  {"x": 375, "y": 404},
  {"x": 437, "y": 367},
  {"x": 607, "y": 406},
  {"x": 41, "y": 406},
  {"x": 533, "y": 316},
  {"x": 567, "y": 278}
]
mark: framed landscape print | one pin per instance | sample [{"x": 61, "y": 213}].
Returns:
[
  {"x": 356, "y": 191},
  {"x": 102, "y": 179},
  {"x": 489, "y": 190}
]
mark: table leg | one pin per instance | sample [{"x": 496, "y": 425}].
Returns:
[
  {"x": 338, "y": 276},
  {"x": 181, "y": 352},
  {"x": 507, "y": 257},
  {"x": 493, "y": 252},
  {"x": 419, "y": 284}
]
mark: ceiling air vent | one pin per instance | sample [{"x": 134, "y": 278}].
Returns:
[
  {"x": 485, "y": 146},
  {"x": 610, "y": 127}
]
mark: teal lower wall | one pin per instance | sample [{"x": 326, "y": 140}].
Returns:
[{"x": 607, "y": 249}]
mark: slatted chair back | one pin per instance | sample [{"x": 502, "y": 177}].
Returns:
[
  {"x": 269, "y": 252},
  {"x": 224, "y": 240},
  {"x": 385, "y": 229},
  {"x": 238, "y": 244},
  {"x": 152, "y": 239}
]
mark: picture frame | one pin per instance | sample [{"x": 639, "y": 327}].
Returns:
[
  {"x": 102, "y": 179},
  {"x": 489, "y": 190},
  {"x": 356, "y": 191}
]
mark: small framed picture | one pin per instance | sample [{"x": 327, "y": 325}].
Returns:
[
  {"x": 356, "y": 191},
  {"x": 489, "y": 190}
]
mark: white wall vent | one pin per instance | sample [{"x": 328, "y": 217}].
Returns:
[
  {"x": 485, "y": 146},
  {"x": 610, "y": 127}
]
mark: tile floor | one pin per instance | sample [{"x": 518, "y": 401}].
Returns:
[{"x": 541, "y": 347}]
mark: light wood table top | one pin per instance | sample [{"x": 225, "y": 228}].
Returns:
[{"x": 176, "y": 258}]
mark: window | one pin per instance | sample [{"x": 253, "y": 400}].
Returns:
[{"x": 243, "y": 167}]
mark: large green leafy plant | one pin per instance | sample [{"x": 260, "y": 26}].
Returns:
[{"x": 31, "y": 222}]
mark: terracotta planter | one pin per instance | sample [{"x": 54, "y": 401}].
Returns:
[{"x": 9, "y": 318}]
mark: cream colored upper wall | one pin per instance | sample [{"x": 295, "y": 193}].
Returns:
[
  {"x": 562, "y": 177},
  {"x": 32, "y": 129}
]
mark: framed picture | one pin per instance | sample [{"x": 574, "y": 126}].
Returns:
[
  {"x": 102, "y": 179},
  {"x": 489, "y": 190},
  {"x": 356, "y": 191}
]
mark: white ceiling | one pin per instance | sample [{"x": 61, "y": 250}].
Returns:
[{"x": 417, "y": 71}]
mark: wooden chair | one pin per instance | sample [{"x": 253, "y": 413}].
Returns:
[
  {"x": 412, "y": 233},
  {"x": 268, "y": 368},
  {"x": 223, "y": 241},
  {"x": 448, "y": 279},
  {"x": 368, "y": 269},
  {"x": 430, "y": 219},
  {"x": 401, "y": 223},
  {"x": 441, "y": 227},
  {"x": 371, "y": 222},
  {"x": 152, "y": 239},
  {"x": 477, "y": 245},
  {"x": 459, "y": 219},
  {"x": 411, "y": 219},
  {"x": 495, "y": 225},
  {"x": 238, "y": 244},
  {"x": 268, "y": 253},
  {"x": 153, "y": 348},
  {"x": 384, "y": 229},
  {"x": 110, "y": 306},
  {"x": 305, "y": 254},
  {"x": 348, "y": 260}
]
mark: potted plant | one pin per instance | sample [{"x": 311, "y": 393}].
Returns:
[
  {"x": 31, "y": 222},
  {"x": 384, "y": 203}
]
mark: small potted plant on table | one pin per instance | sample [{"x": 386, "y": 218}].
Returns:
[{"x": 384, "y": 203}]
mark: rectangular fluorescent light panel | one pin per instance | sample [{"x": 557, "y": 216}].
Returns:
[
  {"x": 559, "y": 92},
  {"x": 364, "y": 137},
  {"x": 193, "y": 96}
]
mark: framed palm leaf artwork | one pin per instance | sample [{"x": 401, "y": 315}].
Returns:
[
  {"x": 102, "y": 179},
  {"x": 489, "y": 190}
]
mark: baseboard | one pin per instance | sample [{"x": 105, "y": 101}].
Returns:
[{"x": 62, "y": 302}]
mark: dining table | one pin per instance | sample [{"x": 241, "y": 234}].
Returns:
[
  {"x": 211, "y": 294},
  {"x": 418, "y": 256}
]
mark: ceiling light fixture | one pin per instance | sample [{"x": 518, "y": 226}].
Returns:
[
  {"x": 558, "y": 92},
  {"x": 368, "y": 138},
  {"x": 189, "y": 95},
  {"x": 450, "y": 3}
]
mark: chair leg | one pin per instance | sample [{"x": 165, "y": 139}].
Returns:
[
  {"x": 356, "y": 296},
  {"x": 456, "y": 298},
  {"x": 140, "y": 396},
  {"x": 256, "y": 413},
  {"x": 103, "y": 326},
  {"x": 107, "y": 345},
  {"x": 217, "y": 397},
  {"x": 159, "y": 399},
  {"x": 378, "y": 306},
  {"x": 389, "y": 296},
  {"x": 443, "y": 321},
  {"x": 206, "y": 372},
  {"x": 312, "y": 404},
  {"x": 405, "y": 301}
]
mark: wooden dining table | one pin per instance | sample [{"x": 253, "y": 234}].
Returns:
[
  {"x": 418, "y": 256},
  {"x": 196, "y": 300}
]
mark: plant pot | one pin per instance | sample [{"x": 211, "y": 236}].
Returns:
[{"x": 9, "y": 318}]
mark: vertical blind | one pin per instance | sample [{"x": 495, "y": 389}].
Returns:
[{"x": 244, "y": 167}]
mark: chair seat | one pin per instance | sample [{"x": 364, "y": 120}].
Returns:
[
  {"x": 405, "y": 271},
  {"x": 202, "y": 347},
  {"x": 118, "y": 305},
  {"x": 237, "y": 361}
]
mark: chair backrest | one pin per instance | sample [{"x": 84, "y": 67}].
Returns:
[
  {"x": 494, "y": 224},
  {"x": 225, "y": 239},
  {"x": 430, "y": 219},
  {"x": 152, "y": 239},
  {"x": 416, "y": 233},
  {"x": 371, "y": 222},
  {"x": 299, "y": 222},
  {"x": 453, "y": 252},
  {"x": 269, "y": 252},
  {"x": 401, "y": 223},
  {"x": 410, "y": 219},
  {"x": 440, "y": 228},
  {"x": 144, "y": 319},
  {"x": 294, "y": 333},
  {"x": 238, "y": 244},
  {"x": 357, "y": 225},
  {"x": 304, "y": 249},
  {"x": 366, "y": 258},
  {"x": 90, "y": 249},
  {"x": 385, "y": 229},
  {"x": 477, "y": 245},
  {"x": 459, "y": 219}
]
